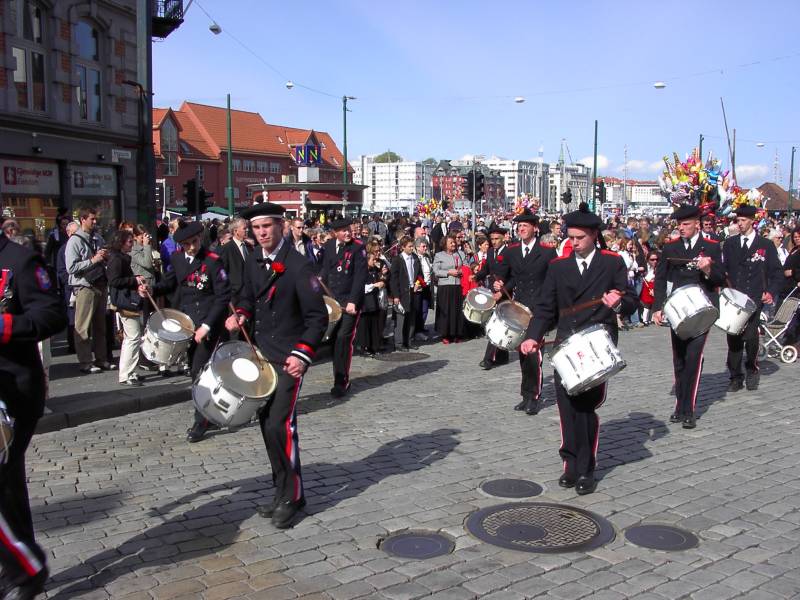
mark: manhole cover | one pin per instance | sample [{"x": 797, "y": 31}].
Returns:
[
  {"x": 401, "y": 356},
  {"x": 661, "y": 537},
  {"x": 540, "y": 527},
  {"x": 511, "y": 488},
  {"x": 417, "y": 544}
]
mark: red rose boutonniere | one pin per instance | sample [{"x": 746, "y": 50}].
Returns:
[
  {"x": 759, "y": 255},
  {"x": 499, "y": 258},
  {"x": 278, "y": 267}
]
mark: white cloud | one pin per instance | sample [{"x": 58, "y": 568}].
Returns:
[
  {"x": 750, "y": 175},
  {"x": 602, "y": 162}
]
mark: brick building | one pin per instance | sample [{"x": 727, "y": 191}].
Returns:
[
  {"x": 68, "y": 125},
  {"x": 192, "y": 142},
  {"x": 449, "y": 183}
]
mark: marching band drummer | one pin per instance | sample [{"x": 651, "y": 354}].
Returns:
[
  {"x": 203, "y": 293},
  {"x": 689, "y": 259},
  {"x": 754, "y": 269},
  {"x": 282, "y": 298},
  {"x": 344, "y": 272},
  {"x": 529, "y": 260},
  {"x": 588, "y": 274},
  {"x": 495, "y": 270}
]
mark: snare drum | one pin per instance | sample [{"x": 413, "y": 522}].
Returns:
[
  {"x": 735, "y": 309},
  {"x": 233, "y": 385},
  {"x": 334, "y": 316},
  {"x": 478, "y": 305},
  {"x": 167, "y": 336},
  {"x": 586, "y": 359},
  {"x": 689, "y": 311},
  {"x": 507, "y": 326}
]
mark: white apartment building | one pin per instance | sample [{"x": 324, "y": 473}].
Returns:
[
  {"x": 634, "y": 197},
  {"x": 575, "y": 177},
  {"x": 522, "y": 177},
  {"x": 394, "y": 186}
]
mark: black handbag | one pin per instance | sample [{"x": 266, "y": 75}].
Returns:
[
  {"x": 96, "y": 273},
  {"x": 126, "y": 299}
]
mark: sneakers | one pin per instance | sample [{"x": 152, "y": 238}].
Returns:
[
  {"x": 106, "y": 366},
  {"x": 132, "y": 381},
  {"x": 91, "y": 370}
]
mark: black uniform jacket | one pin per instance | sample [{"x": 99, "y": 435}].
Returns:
[
  {"x": 564, "y": 287},
  {"x": 202, "y": 288},
  {"x": 345, "y": 273},
  {"x": 754, "y": 271},
  {"x": 673, "y": 266},
  {"x": 528, "y": 274},
  {"x": 284, "y": 304},
  {"x": 233, "y": 261},
  {"x": 31, "y": 311},
  {"x": 496, "y": 267},
  {"x": 399, "y": 285}
]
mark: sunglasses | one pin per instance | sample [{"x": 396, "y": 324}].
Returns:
[{"x": 652, "y": 260}]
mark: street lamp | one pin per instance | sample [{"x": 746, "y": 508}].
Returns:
[{"x": 659, "y": 85}]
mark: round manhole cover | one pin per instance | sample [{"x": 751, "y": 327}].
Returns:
[
  {"x": 417, "y": 544},
  {"x": 661, "y": 537},
  {"x": 401, "y": 356},
  {"x": 540, "y": 527},
  {"x": 511, "y": 488}
]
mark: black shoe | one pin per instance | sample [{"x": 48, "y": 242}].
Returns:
[
  {"x": 27, "y": 589},
  {"x": 486, "y": 366},
  {"x": 285, "y": 512},
  {"x": 91, "y": 370},
  {"x": 338, "y": 391},
  {"x": 752, "y": 380},
  {"x": 532, "y": 407},
  {"x": 197, "y": 432},
  {"x": 402, "y": 349},
  {"x": 586, "y": 484},
  {"x": 165, "y": 372},
  {"x": 566, "y": 481},
  {"x": 735, "y": 385},
  {"x": 689, "y": 422},
  {"x": 675, "y": 417},
  {"x": 268, "y": 510},
  {"x": 522, "y": 405}
]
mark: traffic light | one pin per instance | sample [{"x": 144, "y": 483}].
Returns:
[
  {"x": 202, "y": 200},
  {"x": 190, "y": 195},
  {"x": 480, "y": 188},
  {"x": 600, "y": 192},
  {"x": 566, "y": 197},
  {"x": 470, "y": 183},
  {"x": 158, "y": 196}
]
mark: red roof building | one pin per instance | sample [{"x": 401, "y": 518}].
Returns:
[{"x": 192, "y": 142}]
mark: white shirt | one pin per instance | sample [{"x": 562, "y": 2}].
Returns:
[
  {"x": 587, "y": 260},
  {"x": 692, "y": 240},
  {"x": 749, "y": 237},
  {"x": 272, "y": 256},
  {"x": 529, "y": 247},
  {"x": 409, "y": 268}
]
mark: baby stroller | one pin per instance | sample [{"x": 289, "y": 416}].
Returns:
[{"x": 774, "y": 328}]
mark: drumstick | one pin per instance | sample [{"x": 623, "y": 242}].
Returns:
[
  {"x": 575, "y": 308},
  {"x": 325, "y": 287},
  {"x": 245, "y": 334},
  {"x": 156, "y": 306}
]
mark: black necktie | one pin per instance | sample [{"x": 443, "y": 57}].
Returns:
[
  {"x": 744, "y": 244},
  {"x": 525, "y": 253},
  {"x": 267, "y": 262},
  {"x": 584, "y": 266},
  {"x": 688, "y": 245}
]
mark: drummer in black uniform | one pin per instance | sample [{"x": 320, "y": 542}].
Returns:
[
  {"x": 30, "y": 311},
  {"x": 495, "y": 270},
  {"x": 754, "y": 269},
  {"x": 203, "y": 293},
  {"x": 529, "y": 260},
  {"x": 344, "y": 272},
  {"x": 687, "y": 260},
  {"x": 588, "y": 274},
  {"x": 282, "y": 298}
]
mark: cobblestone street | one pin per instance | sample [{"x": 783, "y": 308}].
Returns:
[{"x": 127, "y": 509}]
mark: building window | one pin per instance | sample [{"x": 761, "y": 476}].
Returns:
[
  {"x": 237, "y": 164},
  {"x": 87, "y": 71},
  {"x": 169, "y": 148},
  {"x": 274, "y": 167},
  {"x": 249, "y": 166},
  {"x": 28, "y": 53},
  {"x": 262, "y": 166}
]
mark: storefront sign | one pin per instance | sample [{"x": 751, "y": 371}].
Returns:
[
  {"x": 88, "y": 180},
  {"x": 29, "y": 178},
  {"x": 117, "y": 155}
]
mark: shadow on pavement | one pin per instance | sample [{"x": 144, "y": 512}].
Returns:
[
  {"x": 623, "y": 441},
  {"x": 74, "y": 510},
  {"x": 213, "y": 526}
]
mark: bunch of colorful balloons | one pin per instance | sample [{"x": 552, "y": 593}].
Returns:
[
  {"x": 427, "y": 206},
  {"x": 526, "y": 201}
]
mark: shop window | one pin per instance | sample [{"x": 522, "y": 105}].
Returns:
[{"x": 88, "y": 93}]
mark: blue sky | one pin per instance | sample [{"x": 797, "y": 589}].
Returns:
[{"x": 438, "y": 78}]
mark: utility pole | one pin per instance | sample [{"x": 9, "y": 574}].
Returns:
[
  {"x": 474, "y": 216},
  {"x": 700, "y": 148},
  {"x": 229, "y": 191},
  {"x": 625, "y": 183},
  {"x": 789, "y": 208},
  {"x": 594, "y": 164},
  {"x": 145, "y": 161}
]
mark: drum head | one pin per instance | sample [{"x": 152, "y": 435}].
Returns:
[
  {"x": 241, "y": 373},
  {"x": 739, "y": 299},
  {"x": 334, "y": 309},
  {"x": 171, "y": 325},
  {"x": 514, "y": 314},
  {"x": 480, "y": 299}
]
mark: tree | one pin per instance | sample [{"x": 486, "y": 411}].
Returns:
[
  {"x": 388, "y": 157},
  {"x": 431, "y": 162}
]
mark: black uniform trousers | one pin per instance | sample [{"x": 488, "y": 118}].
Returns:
[
  {"x": 343, "y": 349},
  {"x": 530, "y": 366},
  {"x": 20, "y": 555},
  {"x": 687, "y": 362},
  {"x": 747, "y": 342},
  {"x": 199, "y": 355},
  {"x": 580, "y": 428},
  {"x": 278, "y": 420},
  {"x": 406, "y": 324},
  {"x": 496, "y": 355}
]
